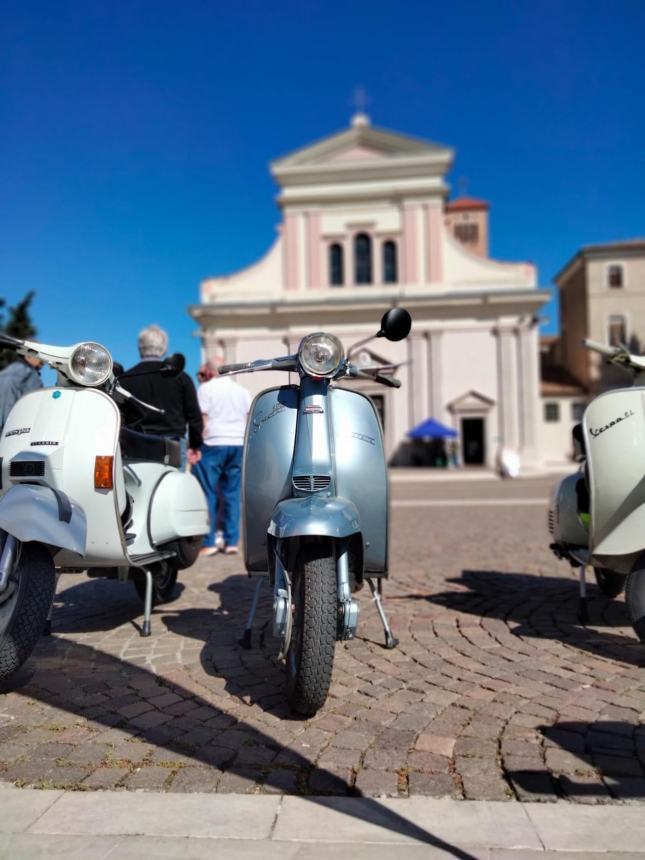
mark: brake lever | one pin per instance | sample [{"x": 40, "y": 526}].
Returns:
[{"x": 127, "y": 395}]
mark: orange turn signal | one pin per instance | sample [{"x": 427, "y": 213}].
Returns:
[{"x": 104, "y": 473}]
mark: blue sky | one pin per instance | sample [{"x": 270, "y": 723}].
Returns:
[{"x": 135, "y": 136}]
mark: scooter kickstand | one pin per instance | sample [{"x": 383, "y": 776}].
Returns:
[
  {"x": 247, "y": 636},
  {"x": 147, "y": 604},
  {"x": 583, "y": 612},
  {"x": 390, "y": 640}
]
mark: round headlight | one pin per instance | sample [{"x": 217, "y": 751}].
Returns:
[
  {"x": 320, "y": 354},
  {"x": 90, "y": 364}
]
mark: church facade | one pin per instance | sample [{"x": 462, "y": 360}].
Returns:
[{"x": 366, "y": 226}]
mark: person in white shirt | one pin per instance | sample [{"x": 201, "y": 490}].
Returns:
[{"x": 225, "y": 405}]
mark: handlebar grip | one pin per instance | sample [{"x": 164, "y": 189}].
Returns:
[
  {"x": 602, "y": 348},
  {"x": 232, "y": 368},
  {"x": 387, "y": 380}
]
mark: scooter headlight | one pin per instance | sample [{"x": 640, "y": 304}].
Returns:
[
  {"x": 90, "y": 364},
  {"x": 320, "y": 354}
]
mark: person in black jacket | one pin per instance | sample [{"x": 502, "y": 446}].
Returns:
[{"x": 176, "y": 395}]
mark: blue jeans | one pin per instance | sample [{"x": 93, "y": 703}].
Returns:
[{"x": 221, "y": 464}]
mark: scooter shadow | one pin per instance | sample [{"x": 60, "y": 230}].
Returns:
[
  {"x": 544, "y": 607},
  {"x": 255, "y": 675},
  {"x": 96, "y": 605},
  {"x": 84, "y": 681}
]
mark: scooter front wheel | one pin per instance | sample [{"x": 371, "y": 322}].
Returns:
[
  {"x": 24, "y": 606},
  {"x": 310, "y": 658},
  {"x": 609, "y": 582}
]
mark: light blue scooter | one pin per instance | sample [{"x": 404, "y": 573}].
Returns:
[{"x": 315, "y": 504}]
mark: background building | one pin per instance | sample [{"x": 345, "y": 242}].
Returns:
[
  {"x": 365, "y": 226},
  {"x": 602, "y": 297}
]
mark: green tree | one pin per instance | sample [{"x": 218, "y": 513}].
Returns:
[{"x": 19, "y": 324}]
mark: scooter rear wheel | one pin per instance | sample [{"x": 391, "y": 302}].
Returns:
[
  {"x": 609, "y": 582},
  {"x": 310, "y": 658},
  {"x": 635, "y": 600},
  {"x": 24, "y": 607}
]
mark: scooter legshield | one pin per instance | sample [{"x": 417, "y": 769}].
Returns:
[
  {"x": 614, "y": 430},
  {"x": 32, "y": 512}
]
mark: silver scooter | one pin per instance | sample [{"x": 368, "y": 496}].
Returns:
[
  {"x": 597, "y": 515},
  {"x": 315, "y": 504}
]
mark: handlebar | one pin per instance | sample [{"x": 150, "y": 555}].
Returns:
[{"x": 602, "y": 348}]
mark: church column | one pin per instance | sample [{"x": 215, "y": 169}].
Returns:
[
  {"x": 290, "y": 239},
  {"x": 435, "y": 375},
  {"x": 507, "y": 387},
  {"x": 529, "y": 393},
  {"x": 314, "y": 243},
  {"x": 410, "y": 235},
  {"x": 418, "y": 379}
]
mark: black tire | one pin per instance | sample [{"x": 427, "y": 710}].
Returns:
[
  {"x": 310, "y": 658},
  {"x": 635, "y": 600},
  {"x": 609, "y": 582},
  {"x": 24, "y": 611},
  {"x": 164, "y": 577}
]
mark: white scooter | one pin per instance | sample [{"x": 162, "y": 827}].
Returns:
[
  {"x": 79, "y": 492},
  {"x": 597, "y": 515}
]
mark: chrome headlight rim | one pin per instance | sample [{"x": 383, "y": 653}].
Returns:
[
  {"x": 328, "y": 339},
  {"x": 101, "y": 375}
]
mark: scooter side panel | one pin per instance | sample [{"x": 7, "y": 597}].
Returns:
[
  {"x": 361, "y": 474},
  {"x": 178, "y": 508},
  {"x": 614, "y": 430},
  {"x": 266, "y": 470}
]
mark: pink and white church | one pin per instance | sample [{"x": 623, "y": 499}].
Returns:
[{"x": 366, "y": 225}]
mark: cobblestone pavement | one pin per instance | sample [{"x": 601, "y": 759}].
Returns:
[{"x": 495, "y": 691}]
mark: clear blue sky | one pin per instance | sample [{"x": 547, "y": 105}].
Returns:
[{"x": 135, "y": 136}]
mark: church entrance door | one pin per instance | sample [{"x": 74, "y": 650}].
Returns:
[{"x": 472, "y": 441}]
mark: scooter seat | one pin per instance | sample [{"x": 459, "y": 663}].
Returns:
[{"x": 147, "y": 446}]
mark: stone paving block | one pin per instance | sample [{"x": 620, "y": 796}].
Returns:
[
  {"x": 105, "y": 778},
  {"x": 195, "y": 779},
  {"x": 433, "y": 785},
  {"x": 376, "y": 783}
]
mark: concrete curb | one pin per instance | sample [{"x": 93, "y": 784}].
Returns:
[{"x": 121, "y": 824}]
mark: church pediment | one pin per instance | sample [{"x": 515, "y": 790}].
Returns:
[
  {"x": 471, "y": 401},
  {"x": 360, "y": 144},
  {"x": 366, "y": 359}
]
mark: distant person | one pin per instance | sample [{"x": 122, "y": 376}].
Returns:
[
  {"x": 17, "y": 379},
  {"x": 205, "y": 374},
  {"x": 225, "y": 405},
  {"x": 175, "y": 394}
]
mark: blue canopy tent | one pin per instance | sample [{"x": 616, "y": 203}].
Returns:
[{"x": 433, "y": 429}]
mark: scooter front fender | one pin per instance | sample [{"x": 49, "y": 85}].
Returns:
[
  {"x": 314, "y": 516},
  {"x": 32, "y": 512}
]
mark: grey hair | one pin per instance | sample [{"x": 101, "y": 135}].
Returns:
[{"x": 153, "y": 342}]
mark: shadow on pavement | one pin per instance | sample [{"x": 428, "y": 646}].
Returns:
[
  {"x": 589, "y": 762},
  {"x": 542, "y": 607},
  {"x": 82, "y": 680}
]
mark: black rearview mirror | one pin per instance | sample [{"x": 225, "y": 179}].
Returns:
[
  {"x": 174, "y": 364},
  {"x": 395, "y": 324}
]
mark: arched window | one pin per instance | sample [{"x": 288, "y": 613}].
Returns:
[
  {"x": 390, "y": 273},
  {"x": 336, "y": 266},
  {"x": 363, "y": 259}
]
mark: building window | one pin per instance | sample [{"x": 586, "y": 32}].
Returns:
[
  {"x": 615, "y": 277},
  {"x": 363, "y": 259},
  {"x": 577, "y": 411},
  {"x": 390, "y": 273},
  {"x": 467, "y": 233},
  {"x": 551, "y": 412},
  {"x": 336, "y": 265},
  {"x": 617, "y": 330}
]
